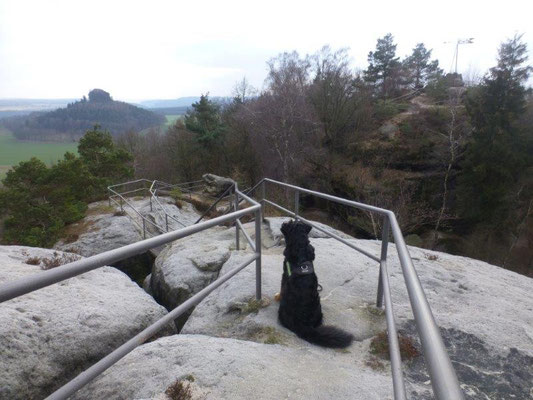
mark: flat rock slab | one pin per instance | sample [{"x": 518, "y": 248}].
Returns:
[
  {"x": 231, "y": 310},
  {"x": 469, "y": 299},
  {"x": 235, "y": 369},
  {"x": 50, "y": 335}
]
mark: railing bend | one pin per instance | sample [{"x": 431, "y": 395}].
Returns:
[{"x": 443, "y": 378}]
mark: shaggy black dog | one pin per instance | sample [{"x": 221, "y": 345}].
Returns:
[{"x": 299, "y": 308}]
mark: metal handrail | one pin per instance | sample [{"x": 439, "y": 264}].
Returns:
[
  {"x": 222, "y": 196},
  {"x": 158, "y": 203},
  {"x": 124, "y": 200},
  {"x": 40, "y": 280},
  {"x": 443, "y": 378}
]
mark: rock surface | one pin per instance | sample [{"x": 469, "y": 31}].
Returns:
[
  {"x": 485, "y": 312},
  {"x": 233, "y": 347},
  {"x": 105, "y": 229},
  {"x": 216, "y": 185},
  {"x": 99, "y": 231},
  {"x": 188, "y": 265},
  {"x": 50, "y": 335},
  {"x": 240, "y": 370}
]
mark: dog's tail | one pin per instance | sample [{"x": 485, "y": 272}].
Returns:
[{"x": 326, "y": 336}]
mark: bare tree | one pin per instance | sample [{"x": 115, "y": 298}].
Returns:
[
  {"x": 281, "y": 123},
  {"x": 455, "y": 136},
  {"x": 243, "y": 91}
]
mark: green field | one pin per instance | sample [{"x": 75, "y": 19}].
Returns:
[{"x": 13, "y": 151}]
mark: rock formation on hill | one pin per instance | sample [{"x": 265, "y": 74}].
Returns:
[{"x": 74, "y": 120}]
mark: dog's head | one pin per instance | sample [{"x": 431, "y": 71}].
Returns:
[{"x": 297, "y": 246}]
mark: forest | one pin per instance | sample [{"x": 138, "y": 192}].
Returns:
[
  {"x": 70, "y": 123},
  {"x": 451, "y": 156}
]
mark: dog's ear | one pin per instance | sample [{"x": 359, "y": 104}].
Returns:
[{"x": 308, "y": 228}]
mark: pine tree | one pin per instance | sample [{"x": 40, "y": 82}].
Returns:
[
  {"x": 419, "y": 67},
  {"x": 383, "y": 66},
  {"x": 205, "y": 121},
  {"x": 497, "y": 152}
]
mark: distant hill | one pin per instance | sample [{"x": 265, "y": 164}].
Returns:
[
  {"x": 72, "y": 122},
  {"x": 19, "y": 107},
  {"x": 179, "y": 102},
  {"x": 170, "y": 110}
]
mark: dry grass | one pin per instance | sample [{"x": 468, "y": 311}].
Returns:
[
  {"x": 33, "y": 261},
  {"x": 101, "y": 209},
  {"x": 77, "y": 229},
  {"x": 55, "y": 261},
  {"x": 179, "y": 390},
  {"x": 379, "y": 346}
]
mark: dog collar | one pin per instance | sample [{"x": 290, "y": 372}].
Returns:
[{"x": 304, "y": 268}]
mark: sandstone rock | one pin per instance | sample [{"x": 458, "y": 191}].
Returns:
[
  {"x": 105, "y": 229},
  {"x": 50, "y": 335},
  {"x": 190, "y": 264},
  {"x": 99, "y": 231},
  {"x": 485, "y": 314},
  {"x": 240, "y": 370},
  {"x": 483, "y": 311},
  {"x": 216, "y": 185}
]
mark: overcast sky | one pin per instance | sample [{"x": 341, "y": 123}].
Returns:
[{"x": 168, "y": 49}]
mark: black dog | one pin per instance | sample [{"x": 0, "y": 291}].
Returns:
[{"x": 299, "y": 308}]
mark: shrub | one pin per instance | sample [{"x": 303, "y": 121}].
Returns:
[{"x": 176, "y": 194}]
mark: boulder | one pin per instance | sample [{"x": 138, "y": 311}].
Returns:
[
  {"x": 50, "y": 335},
  {"x": 216, "y": 185},
  {"x": 389, "y": 130},
  {"x": 103, "y": 229},
  {"x": 188, "y": 265},
  {"x": 106, "y": 228}
]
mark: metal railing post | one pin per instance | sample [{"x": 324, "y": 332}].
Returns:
[
  {"x": 166, "y": 220},
  {"x": 121, "y": 208},
  {"x": 236, "y": 206},
  {"x": 383, "y": 258},
  {"x": 258, "y": 248},
  {"x": 296, "y": 204},
  {"x": 263, "y": 193},
  {"x": 144, "y": 228},
  {"x": 151, "y": 203}
]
